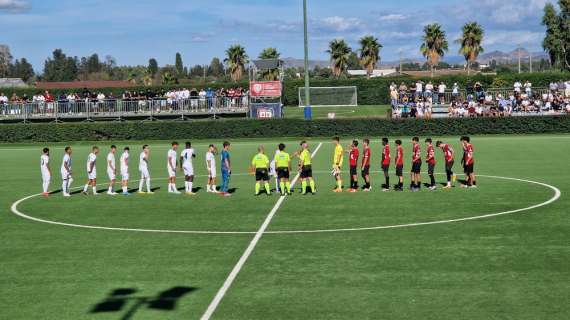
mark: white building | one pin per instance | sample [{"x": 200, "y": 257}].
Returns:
[{"x": 375, "y": 74}]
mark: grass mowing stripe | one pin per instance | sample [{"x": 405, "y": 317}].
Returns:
[{"x": 233, "y": 274}]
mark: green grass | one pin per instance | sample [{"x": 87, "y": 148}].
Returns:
[
  {"x": 508, "y": 267},
  {"x": 379, "y": 111}
]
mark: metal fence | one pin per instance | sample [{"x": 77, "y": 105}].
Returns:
[{"x": 118, "y": 109}]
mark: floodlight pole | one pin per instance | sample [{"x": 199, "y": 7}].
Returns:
[{"x": 308, "y": 113}]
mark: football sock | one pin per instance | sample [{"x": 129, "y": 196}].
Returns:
[
  {"x": 432, "y": 178},
  {"x": 110, "y": 189},
  {"x": 125, "y": 190},
  {"x": 64, "y": 186},
  {"x": 94, "y": 190},
  {"x": 304, "y": 186},
  {"x": 190, "y": 186},
  {"x": 282, "y": 187},
  {"x": 339, "y": 184},
  {"x": 267, "y": 188},
  {"x": 45, "y": 186},
  {"x": 257, "y": 187},
  {"x": 85, "y": 188},
  {"x": 313, "y": 188},
  {"x": 141, "y": 183},
  {"x": 288, "y": 186},
  {"x": 148, "y": 185},
  {"x": 387, "y": 182}
]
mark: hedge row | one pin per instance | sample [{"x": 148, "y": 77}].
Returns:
[
  {"x": 370, "y": 91},
  {"x": 233, "y": 129}
]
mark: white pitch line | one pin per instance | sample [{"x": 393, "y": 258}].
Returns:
[{"x": 237, "y": 268}]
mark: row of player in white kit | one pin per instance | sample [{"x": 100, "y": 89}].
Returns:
[{"x": 186, "y": 165}]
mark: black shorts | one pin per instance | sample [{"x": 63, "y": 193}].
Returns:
[
  {"x": 431, "y": 169},
  {"x": 449, "y": 165},
  {"x": 400, "y": 170},
  {"x": 468, "y": 168},
  {"x": 306, "y": 172},
  {"x": 366, "y": 170},
  {"x": 385, "y": 169},
  {"x": 353, "y": 170},
  {"x": 283, "y": 173},
  {"x": 261, "y": 175},
  {"x": 416, "y": 167}
]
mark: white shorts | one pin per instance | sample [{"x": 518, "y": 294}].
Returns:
[
  {"x": 212, "y": 173},
  {"x": 65, "y": 175},
  {"x": 92, "y": 175},
  {"x": 144, "y": 173},
  {"x": 188, "y": 169},
  {"x": 171, "y": 173},
  {"x": 124, "y": 175},
  {"x": 111, "y": 174},
  {"x": 46, "y": 177}
]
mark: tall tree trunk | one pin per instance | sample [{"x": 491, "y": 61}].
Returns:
[
  {"x": 468, "y": 67},
  {"x": 432, "y": 67}
]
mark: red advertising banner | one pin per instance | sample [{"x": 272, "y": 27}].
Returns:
[{"x": 265, "y": 89}]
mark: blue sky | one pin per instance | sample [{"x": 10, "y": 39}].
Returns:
[{"x": 132, "y": 31}]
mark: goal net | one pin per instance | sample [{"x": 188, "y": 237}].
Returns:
[{"x": 330, "y": 96}]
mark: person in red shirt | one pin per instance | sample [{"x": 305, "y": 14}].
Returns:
[
  {"x": 449, "y": 156},
  {"x": 354, "y": 154},
  {"x": 430, "y": 160},
  {"x": 365, "y": 167},
  {"x": 468, "y": 163},
  {"x": 416, "y": 165},
  {"x": 386, "y": 164},
  {"x": 399, "y": 161}
]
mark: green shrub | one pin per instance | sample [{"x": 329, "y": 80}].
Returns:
[{"x": 233, "y": 129}]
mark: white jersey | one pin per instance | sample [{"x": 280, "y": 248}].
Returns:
[
  {"x": 92, "y": 159},
  {"x": 124, "y": 162},
  {"x": 66, "y": 162},
  {"x": 44, "y": 161},
  {"x": 143, "y": 165},
  {"x": 212, "y": 158},
  {"x": 111, "y": 161},
  {"x": 187, "y": 156},
  {"x": 171, "y": 159}
]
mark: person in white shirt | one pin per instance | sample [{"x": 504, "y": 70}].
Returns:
[
  {"x": 66, "y": 172},
  {"x": 92, "y": 171},
  {"x": 143, "y": 169},
  {"x": 211, "y": 167},
  {"x": 172, "y": 157},
  {"x": 46, "y": 171},
  {"x": 186, "y": 162},
  {"x": 125, "y": 171},
  {"x": 111, "y": 170},
  {"x": 419, "y": 88},
  {"x": 528, "y": 88},
  {"x": 567, "y": 89},
  {"x": 517, "y": 87},
  {"x": 455, "y": 92},
  {"x": 441, "y": 92}
]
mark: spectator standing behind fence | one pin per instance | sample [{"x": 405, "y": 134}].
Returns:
[
  {"x": 528, "y": 88},
  {"x": 567, "y": 89},
  {"x": 419, "y": 88},
  {"x": 455, "y": 92},
  {"x": 441, "y": 93}
]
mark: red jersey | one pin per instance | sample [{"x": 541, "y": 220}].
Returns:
[
  {"x": 448, "y": 152},
  {"x": 417, "y": 153},
  {"x": 468, "y": 154},
  {"x": 430, "y": 156},
  {"x": 366, "y": 157},
  {"x": 354, "y": 153},
  {"x": 386, "y": 156},
  {"x": 399, "y": 156}
]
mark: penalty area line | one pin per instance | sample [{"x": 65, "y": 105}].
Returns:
[{"x": 237, "y": 268}]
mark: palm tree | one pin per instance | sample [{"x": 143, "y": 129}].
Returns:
[
  {"x": 340, "y": 54},
  {"x": 369, "y": 53},
  {"x": 270, "y": 53},
  {"x": 236, "y": 60},
  {"x": 470, "y": 42},
  {"x": 435, "y": 44}
]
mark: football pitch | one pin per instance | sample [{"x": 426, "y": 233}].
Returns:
[
  {"x": 497, "y": 252},
  {"x": 372, "y": 111}
]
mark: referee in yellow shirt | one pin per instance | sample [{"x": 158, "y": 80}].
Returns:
[
  {"x": 260, "y": 164},
  {"x": 306, "y": 168},
  {"x": 283, "y": 168},
  {"x": 337, "y": 163}
]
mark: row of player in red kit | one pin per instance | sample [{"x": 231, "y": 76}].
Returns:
[{"x": 467, "y": 162}]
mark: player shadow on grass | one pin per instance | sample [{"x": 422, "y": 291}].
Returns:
[{"x": 124, "y": 300}]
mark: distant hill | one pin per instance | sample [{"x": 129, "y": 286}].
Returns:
[
  {"x": 501, "y": 56},
  {"x": 300, "y": 63}
]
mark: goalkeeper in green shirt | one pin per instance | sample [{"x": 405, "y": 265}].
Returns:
[
  {"x": 260, "y": 164},
  {"x": 283, "y": 167}
]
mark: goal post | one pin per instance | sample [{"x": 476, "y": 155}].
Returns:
[{"x": 330, "y": 96}]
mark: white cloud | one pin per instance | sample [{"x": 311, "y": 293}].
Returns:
[
  {"x": 14, "y": 5},
  {"x": 393, "y": 17},
  {"x": 501, "y": 37},
  {"x": 339, "y": 24}
]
